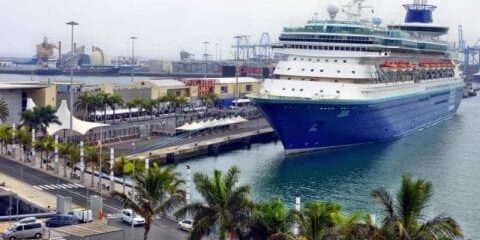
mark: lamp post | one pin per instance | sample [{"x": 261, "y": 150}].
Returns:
[
  {"x": 82, "y": 163},
  {"x": 72, "y": 24},
  {"x": 206, "y": 58},
  {"x": 133, "y": 56},
  {"x": 112, "y": 162},
  {"x": 187, "y": 192},
  {"x": 237, "y": 59},
  {"x": 296, "y": 228}
]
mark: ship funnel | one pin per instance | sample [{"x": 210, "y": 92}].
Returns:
[{"x": 419, "y": 12}]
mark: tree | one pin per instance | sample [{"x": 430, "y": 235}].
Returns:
[
  {"x": 84, "y": 103},
  {"x": 130, "y": 105},
  {"x": 114, "y": 102},
  {"x": 70, "y": 151},
  {"x": 127, "y": 166},
  {"x": 5, "y": 135},
  {"x": 148, "y": 105},
  {"x": 226, "y": 205},
  {"x": 4, "y": 112},
  {"x": 105, "y": 101},
  {"x": 403, "y": 213},
  {"x": 158, "y": 193},
  {"x": 92, "y": 158},
  {"x": 46, "y": 144},
  {"x": 40, "y": 118},
  {"x": 316, "y": 219},
  {"x": 271, "y": 220}
]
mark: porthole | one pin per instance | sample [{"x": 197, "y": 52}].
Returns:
[
  {"x": 318, "y": 60},
  {"x": 321, "y": 90},
  {"x": 301, "y": 59},
  {"x": 283, "y": 89},
  {"x": 289, "y": 78},
  {"x": 289, "y": 69},
  {"x": 326, "y": 60},
  {"x": 303, "y": 69},
  {"x": 293, "y": 89},
  {"x": 338, "y": 71},
  {"x": 338, "y": 92},
  {"x": 309, "y": 59},
  {"x": 301, "y": 90},
  {"x": 311, "y": 70},
  {"x": 294, "y": 59},
  {"x": 344, "y": 61},
  {"x": 321, "y": 70},
  {"x": 335, "y": 60},
  {"x": 353, "y": 72}
]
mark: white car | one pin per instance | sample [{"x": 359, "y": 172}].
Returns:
[
  {"x": 186, "y": 225},
  {"x": 131, "y": 217},
  {"x": 24, "y": 230}
]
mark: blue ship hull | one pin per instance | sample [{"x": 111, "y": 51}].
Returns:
[{"x": 315, "y": 125}]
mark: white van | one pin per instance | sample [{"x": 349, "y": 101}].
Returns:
[
  {"x": 22, "y": 231},
  {"x": 83, "y": 215}
]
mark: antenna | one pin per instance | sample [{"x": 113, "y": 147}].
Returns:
[{"x": 354, "y": 9}]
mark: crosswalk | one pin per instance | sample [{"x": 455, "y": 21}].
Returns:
[{"x": 58, "y": 186}]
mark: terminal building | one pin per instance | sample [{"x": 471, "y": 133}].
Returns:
[{"x": 15, "y": 94}]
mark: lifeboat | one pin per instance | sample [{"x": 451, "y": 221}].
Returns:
[{"x": 389, "y": 66}]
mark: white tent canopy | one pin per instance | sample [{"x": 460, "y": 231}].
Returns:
[
  {"x": 196, "y": 126},
  {"x": 63, "y": 115}
]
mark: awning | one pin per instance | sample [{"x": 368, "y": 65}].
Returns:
[
  {"x": 87, "y": 230},
  {"x": 63, "y": 115},
  {"x": 196, "y": 126}
]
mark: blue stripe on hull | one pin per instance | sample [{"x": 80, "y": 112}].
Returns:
[{"x": 304, "y": 126}]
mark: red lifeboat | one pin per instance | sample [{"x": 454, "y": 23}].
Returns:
[{"x": 389, "y": 66}]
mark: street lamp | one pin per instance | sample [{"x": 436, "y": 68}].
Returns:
[
  {"x": 236, "y": 68},
  {"x": 206, "y": 58},
  {"x": 72, "y": 24},
  {"x": 133, "y": 55}
]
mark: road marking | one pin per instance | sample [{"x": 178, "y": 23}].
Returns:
[
  {"x": 37, "y": 187},
  {"x": 58, "y": 186}
]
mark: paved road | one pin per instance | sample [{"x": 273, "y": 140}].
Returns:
[{"x": 162, "y": 229}]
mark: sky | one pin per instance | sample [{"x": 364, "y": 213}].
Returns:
[{"x": 164, "y": 27}]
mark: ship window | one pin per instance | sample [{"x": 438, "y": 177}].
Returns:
[
  {"x": 289, "y": 69},
  {"x": 338, "y": 71},
  {"x": 301, "y": 90},
  {"x": 303, "y": 69},
  {"x": 283, "y": 89},
  {"x": 301, "y": 59},
  {"x": 321, "y": 70},
  {"x": 353, "y": 72},
  {"x": 335, "y": 60},
  {"x": 289, "y": 78},
  {"x": 330, "y": 48},
  {"x": 318, "y": 59},
  {"x": 347, "y": 48},
  {"x": 342, "y": 48},
  {"x": 344, "y": 61},
  {"x": 311, "y": 70},
  {"x": 338, "y": 92},
  {"x": 337, "y": 48},
  {"x": 294, "y": 59},
  {"x": 326, "y": 60},
  {"x": 293, "y": 89},
  {"x": 321, "y": 90}
]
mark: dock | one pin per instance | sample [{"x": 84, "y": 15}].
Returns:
[{"x": 213, "y": 146}]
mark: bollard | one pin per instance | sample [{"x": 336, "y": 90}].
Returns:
[
  {"x": 82, "y": 163},
  {"x": 147, "y": 164},
  {"x": 33, "y": 148},
  {"x": 56, "y": 156},
  {"x": 187, "y": 192},
  {"x": 112, "y": 162},
  {"x": 296, "y": 228}
]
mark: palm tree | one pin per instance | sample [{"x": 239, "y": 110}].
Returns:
[
  {"x": 24, "y": 138},
  {"x": 114, "y": 102},
  {"x": 5, "y": 135},
  {"x": 92, "y": 157},
  {"x": 4, "y": 112},
  {"x": 316, "y": 219},
  {"x": 138, "y": 102},
  {"x": 84, "y": 103},
  {"x": 130, "y": 105},
  {"x": 105, "y": 101},
  {"x": 226, "y": 205},
  {"x": 128, "y": 166},
  {"x": 71, "y": 152},
  {"x": 46, "y": 144},
  {"x": 148, "y": 105},
  {"x": 403, "y": 213},
  {"x": 271, "y": 220},
  {"x": 40, "y": 118},
  {"x": 158, "y": 192}
]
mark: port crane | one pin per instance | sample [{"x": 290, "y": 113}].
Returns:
[{"x": 470, "y": 55}]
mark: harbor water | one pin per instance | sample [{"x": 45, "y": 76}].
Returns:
[{"x": 448, "y": 155}]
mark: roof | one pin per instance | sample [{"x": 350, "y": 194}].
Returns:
[
  {"x": 22, "y": 85},
  {"x": 63, "y": 115},
  {"x": 229, "y": 80},
  {"x": 196, "y": 126},
  {"x": 87, "y": 229},
  {"x": 164, "y": 82}
]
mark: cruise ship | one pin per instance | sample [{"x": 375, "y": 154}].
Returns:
[{"x": 354, "y": 81}]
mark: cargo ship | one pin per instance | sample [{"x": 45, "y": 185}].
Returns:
[{"x": 354, "y": 81}]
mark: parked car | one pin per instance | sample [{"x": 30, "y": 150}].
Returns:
[
  {"x": 186, "y": 225},
  {"x": 61, "y": 220},
  {"x": 129, "y": 216},
  {"x": 27, "y": 220},
  {"x": 83, "y": 215},
  {"x": 24, "y": 230}
]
